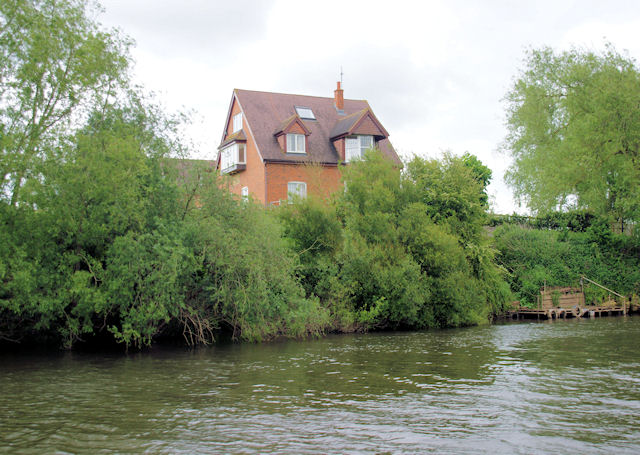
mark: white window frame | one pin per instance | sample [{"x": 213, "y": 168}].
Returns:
[
  {"x": 244, "y": 193},
  {"x": 366, "y": 142},
  {"x": 356, "y": 146},
  {"x": 237, "y": 122},
  {"x": 229, "y": 156},
  {"x": 299, "y": 190},
  {"x": 299, "y": 143},
  {"x": 351, "y": 149}
]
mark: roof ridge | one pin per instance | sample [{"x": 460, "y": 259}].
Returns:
[
  {"x": 296, "y": 94},
  {"x": 360, "y": 112}
]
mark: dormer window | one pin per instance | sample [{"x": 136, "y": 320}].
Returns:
[
  {"x": 296, "y": 143},
  {"x": 237, "y": 122},
  {"x": 305, "y": 113},
  {"x": 355, "y": 146}
]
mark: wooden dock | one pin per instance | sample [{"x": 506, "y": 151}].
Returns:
[
  {"x": 564, "y": 313},
  {"x": 567, "y": 302}
]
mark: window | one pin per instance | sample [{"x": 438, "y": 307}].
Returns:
[
  {"x": 231, "y": 156},
  {"x": 366, "y": 142},
  {"x": 355, "y": 147},
  {"x": 295, "y": 143},
  {"x": 245, "y": 193},
  {"x": 237, "y": 122},
  {"x": 305, "y": 113},
  {"x": 296, "y": 190}
]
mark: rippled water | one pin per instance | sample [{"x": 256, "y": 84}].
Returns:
[{"x": 562, "y": 387}]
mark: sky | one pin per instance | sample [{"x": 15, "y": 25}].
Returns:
[{"x": 435, "y": 73}]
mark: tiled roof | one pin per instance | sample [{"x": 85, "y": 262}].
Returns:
[
  {"x": 237, "y": 136},
  {"x": 266, "y": 112},
  {"x": 346, "y": 123},
  {"x": 186, "y": 167}
]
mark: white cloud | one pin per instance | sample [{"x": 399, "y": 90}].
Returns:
[{"x": 593, "y": 34}]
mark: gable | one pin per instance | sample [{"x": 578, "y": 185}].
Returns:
[
  {"x": 234, "y": 108},
  {"x": 293, "y": 124},
  {"x": 295, "y": 128},
  {"x": 368, "y": 126}
]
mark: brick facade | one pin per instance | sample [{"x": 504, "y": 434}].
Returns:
[{"x": 320, "y": 180}]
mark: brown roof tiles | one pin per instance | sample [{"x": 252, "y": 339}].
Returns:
[
  {"x": 266, "y": 112},
  {"x": 237, "y": 136}
]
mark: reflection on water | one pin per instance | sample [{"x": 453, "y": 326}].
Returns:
[{"x": 561, "y": 387}]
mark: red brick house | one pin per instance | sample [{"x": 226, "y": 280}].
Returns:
[{"x": 276, "y": 144}]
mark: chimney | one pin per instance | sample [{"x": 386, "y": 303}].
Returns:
[{"x": 338, "y": 95}]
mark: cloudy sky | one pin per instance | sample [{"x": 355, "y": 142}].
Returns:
[{"x": 434, "y": 72}]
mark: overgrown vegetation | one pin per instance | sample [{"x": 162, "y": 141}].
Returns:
[
  {"x": 573, "y": 131},
  {"x": 400, "y": 250},
  {"x": 535, "y": 257},
  {"x": 107, "y": 236}
]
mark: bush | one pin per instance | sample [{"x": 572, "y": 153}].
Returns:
[{"x": 538, "y": 257}]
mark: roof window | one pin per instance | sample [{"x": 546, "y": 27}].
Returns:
[{"x": 305, "y": 113}]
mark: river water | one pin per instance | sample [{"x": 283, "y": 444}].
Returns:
[{"x": 561, "y": 387}]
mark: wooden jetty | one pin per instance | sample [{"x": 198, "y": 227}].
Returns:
[{"x": 569, "y": 302}]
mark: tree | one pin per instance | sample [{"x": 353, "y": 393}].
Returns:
[
  {"x": 55, "y": 66},
  {"x": 411, "y": 251},
  {"x": 574, "y": 132},
  {"x": 481, "y": 173},
  {"x": 453, "y": 190}
]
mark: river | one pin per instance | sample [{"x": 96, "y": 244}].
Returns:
[{"x": 558, "y": 387}]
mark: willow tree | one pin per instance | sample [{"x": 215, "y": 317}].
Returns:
[
  {"x": 56, "y": 65},
  {"x": 573, "y": 123}
]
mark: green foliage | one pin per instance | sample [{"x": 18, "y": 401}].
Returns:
[
  {"x": 574, "y": 132},
  {"x": 245, "y": 280},
  {"x": 538, "y": 257},
  {"x": 142, "y": 285},
  {"x": 572, "y": 220},
  {"x": 54, "y": 62},
  {"x": 481, "y": 173},
  {"x": 117, "y": 245},
  {"x": 452, "y": 193},
  {"x": 316, "y": 235},
  {"x": 411, "y": 252}
]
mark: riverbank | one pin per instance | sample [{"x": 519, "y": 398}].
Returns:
[{"x": 180, "y": 257}]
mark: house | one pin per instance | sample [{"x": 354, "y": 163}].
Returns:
[{"x": 275, "y": 145}]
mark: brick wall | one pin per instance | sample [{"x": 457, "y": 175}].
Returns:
[
  {"x": 320, "y": 180},
  {"x": 339, "y": 146}
]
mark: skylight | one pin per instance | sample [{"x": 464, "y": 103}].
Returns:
[{"x": 305, "y": 113}]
